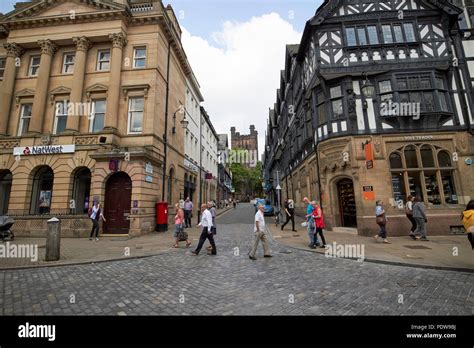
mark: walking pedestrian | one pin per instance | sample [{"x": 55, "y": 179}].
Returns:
[
  {"x": 381, "y": 220},
  {"x": 420, "y": 217},
  {"x": 409, "y": 214},
  {"x": 260, "y": 235},
  {"x": 212, "y": 208},
  {"x": 179, "y": 234},
  {"x": 468, "y": 221},
  {"x": 206, "y": 223},
  {"x": 290, "y": 214},
  {"x": 95, "y": 214},
  {"x": 310, "y": 226},
  {"x": 188, "y": 212},
  {"x": 319, "y": 223}
]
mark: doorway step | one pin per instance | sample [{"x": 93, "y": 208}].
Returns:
[{"x": 349, "y": 230}]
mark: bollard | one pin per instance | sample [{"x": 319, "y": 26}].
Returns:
[{"x": 53, "y": 240}]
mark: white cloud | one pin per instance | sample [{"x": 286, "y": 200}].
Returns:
[{"x": 239, "y": 71}]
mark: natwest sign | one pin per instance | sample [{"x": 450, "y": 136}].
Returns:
[{"x": 44, "y": 150}]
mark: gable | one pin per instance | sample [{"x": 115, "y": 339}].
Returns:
[
  {"x": 352, "y": 8},
  {"x": 59, "y": 8}
]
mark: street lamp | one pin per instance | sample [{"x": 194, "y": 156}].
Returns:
[
  {"x": 184, "y": 122},
  {"x": 368, "y": 89}
]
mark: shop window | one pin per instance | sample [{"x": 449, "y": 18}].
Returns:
[
  {"x": 5, "y": 190},
  {"x": 42, "y": 191},
  {"x": 97, "y": 115},
  {"x": 81, "y": 191},
  {"x": 432, "y": 181}
]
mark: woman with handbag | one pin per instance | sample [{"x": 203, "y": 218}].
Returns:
[
  {"x": 381, "y": 220},
  {"x": 179, "y": 234},
  {"x": 409, "y": 214}
]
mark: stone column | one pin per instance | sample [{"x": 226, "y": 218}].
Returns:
[
  {"x": 14, "y": 51},
  {"x": 118, "y": 42},
  {"x": 41, "y": 90},
  {"x": 82, "y": 46}
]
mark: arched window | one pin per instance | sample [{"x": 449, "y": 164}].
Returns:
[
  {"x": 81, "y": 191},
  {"x": 396, "y": 161},
  {"x": 427, "y": 156},
  {"x": 5, "y": 189},
  {"x": 42, "y": 191},
  {"x": 432, "y": 181},
  {"x": 410, "y": 157},
  {"x": 170, "y": 186},
  {"x": 444, "y": 159}
]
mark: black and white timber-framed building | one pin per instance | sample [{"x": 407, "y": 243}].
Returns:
[{"x": 392, "y": 80}]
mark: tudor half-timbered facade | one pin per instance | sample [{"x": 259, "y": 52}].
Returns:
[{"x": 376, "y": 102}]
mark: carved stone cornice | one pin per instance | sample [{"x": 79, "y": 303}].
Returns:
[
  {"x": 119, "y": 40},
  {"x": 47, "y": 47},
  {"x": 82, "y": 43},
  {"x": 13, "y": 49}
]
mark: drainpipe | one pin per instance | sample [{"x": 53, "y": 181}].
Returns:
[{"x": 165, "y": 135}]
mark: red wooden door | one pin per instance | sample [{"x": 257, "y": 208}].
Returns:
[{"x": 118, "y": 198}]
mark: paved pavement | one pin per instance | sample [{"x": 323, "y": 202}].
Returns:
[
  {"x": 293, "y": 282},
  {"x": 443, "y": 252}
]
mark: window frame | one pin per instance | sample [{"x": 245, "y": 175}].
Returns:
[
  {"x": 22, "y": 117},
  {"x": 92, "y": 119},
  {"x": 2, "y": 68},
  {"x": 31, "y": 66},
  {"x": 66, "y": 65},
  {"x": 99, "y": 61},
  {"x": 135, "y": 58},
  {"x": 131, "y": 115},
  {"x": 56, "y": 116}
]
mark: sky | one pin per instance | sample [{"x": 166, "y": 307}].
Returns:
[{"x": 237, "y": 49}]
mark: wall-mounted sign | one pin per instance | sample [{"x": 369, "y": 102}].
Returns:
[
  {"x": 188, "y": 164},
  {"x": 149, "y": 168},
  {"x": 208, "y": 176},
  {"x": 468, "y": 161},
  {"x": 368, "y": 192},
  {"x": 44, "y": 150},
  {"x": 135, "y": 204},
  {"x": 369, "y": 155},
  {"x": 149, "y": 178},
  {"x": 418, "y": 137}
]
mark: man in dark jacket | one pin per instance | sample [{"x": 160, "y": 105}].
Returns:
[{"x": 290, "y": 214}]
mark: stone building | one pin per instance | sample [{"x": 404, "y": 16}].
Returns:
[
  {"x": 224, "y": 177},
  {"x": 376, "y": 102},
  {"x": 246, "y": 142},
  {"x": 87, "y": 99}
]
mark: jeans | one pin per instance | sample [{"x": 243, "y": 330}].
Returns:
[
  {"x": 413, "y": 223},
  {"x": 383, "y": 231},
  {"x": 187, "y": 218},
  {"x": 95, "y": 228},
  {"x": 313, "y": 238},
  {"x": 205, "y": 235},
  {"x": 420, "y": 227}
]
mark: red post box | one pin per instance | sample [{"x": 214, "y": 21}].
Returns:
[{"x": 161, "y": 216}]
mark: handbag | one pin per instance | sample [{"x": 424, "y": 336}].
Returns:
[
  {"x": 304, "y": 224},
  {"x": 182, "y": 234},
  {"x": 381, "y": 220}
]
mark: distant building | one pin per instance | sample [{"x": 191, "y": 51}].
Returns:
[
  {"x": 224, "y": 178},
  {"x": 247, "y": 142}
]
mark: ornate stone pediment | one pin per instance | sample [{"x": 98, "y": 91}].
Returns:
[
  {"x": 96, "y": 88},
  {"x": 61, "y": 90},
  {"x": 24, "y": 93}
]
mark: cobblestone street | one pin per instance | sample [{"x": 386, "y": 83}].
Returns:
[{"x": 293, "y": 282}]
